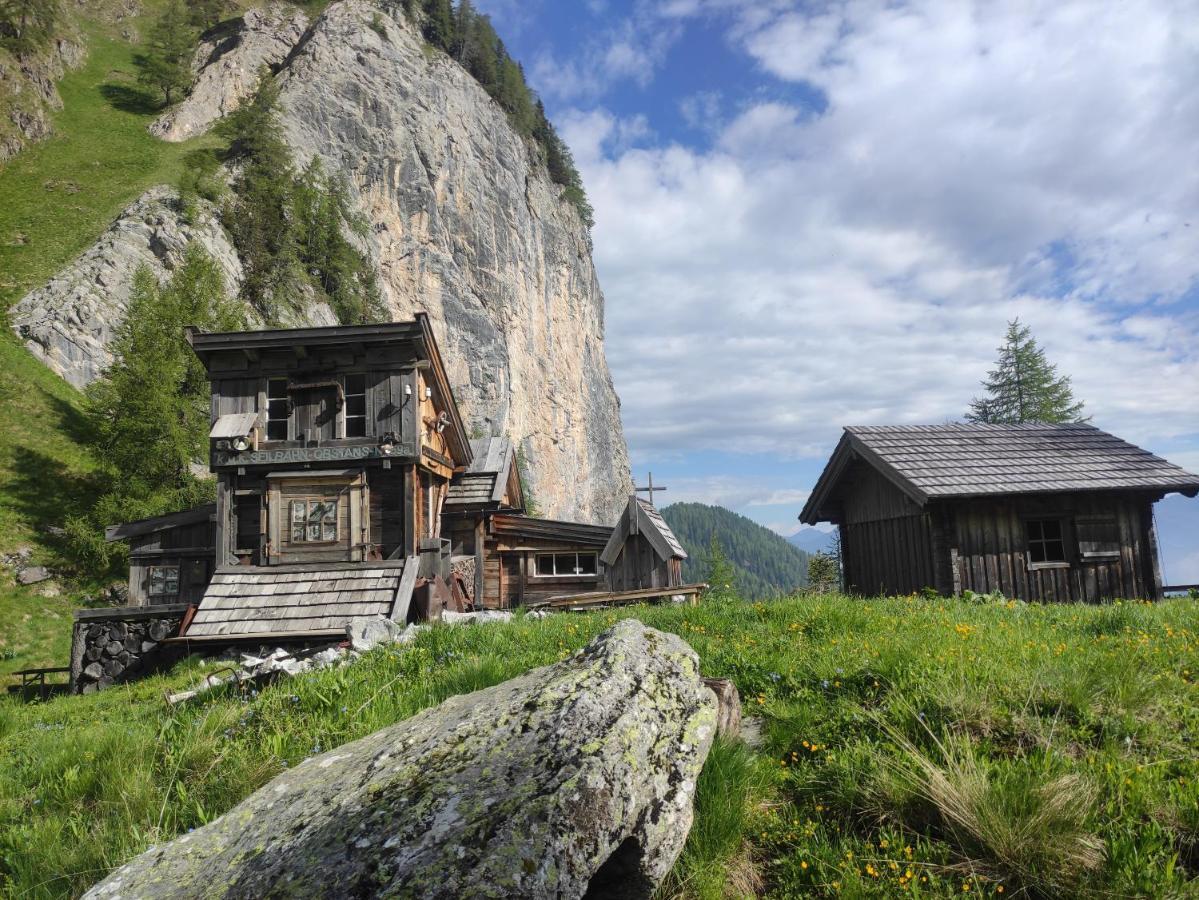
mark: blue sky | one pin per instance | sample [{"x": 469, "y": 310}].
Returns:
[{"x": 811, "y": 215}]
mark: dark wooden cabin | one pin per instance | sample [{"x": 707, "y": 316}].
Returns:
[
  {"x": 530, "y": 559},
  {"x": 642, "y": 551},
  {"x": 1036, "y": 512},
  {"x": 333, "y": 450},
  {"x": 171, "y": 557},
  {"x": 490, "y": 484}
]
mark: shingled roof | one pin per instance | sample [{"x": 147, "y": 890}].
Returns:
[
  {"x": 484, "y": 481},
  {"x": 928, "y": 462},
  {"x": 299, "y": 599}
]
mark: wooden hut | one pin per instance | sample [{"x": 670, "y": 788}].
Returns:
[
  {"x": 1038, "y": 512},
  {"x": 333, "y": 449},
  {"x": 171, "y": 557},
  {"x": 642, "y": 551}
]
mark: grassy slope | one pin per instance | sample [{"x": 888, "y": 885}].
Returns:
[
  {"x": 1039, "y": 709},
  {"x": 55, "y": 199}
]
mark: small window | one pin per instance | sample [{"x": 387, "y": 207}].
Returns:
[
  {"x": 355, "y": 412},
  {"x": 278, "y": 409},
  {"x": 566, "y": 564},
  {"x": 1045, "y": 541},
  {"x": 1098, "y": 537},
  {"x": 313, "y": 521},
  {"x": 164, "y": 581}
]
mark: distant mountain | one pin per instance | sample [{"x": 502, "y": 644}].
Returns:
[
  {"x": 811, "y": 540},
  {"x": 765, "y": 563}
]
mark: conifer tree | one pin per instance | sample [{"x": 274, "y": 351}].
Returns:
[
  {"x": 718, "y": 571},
  {"x": 1024, "y": 387},
  {"x": 26, "y": 25},
  {"x": 206, "y": 13},
  {"x": 258, "y": 215},
  {"x": 439, "y": 24},
  {"x": 149, "y": 413},
  {"x": 166, "y": 65}
]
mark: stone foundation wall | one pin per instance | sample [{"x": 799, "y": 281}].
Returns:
[{"x": 110, "y": 646}]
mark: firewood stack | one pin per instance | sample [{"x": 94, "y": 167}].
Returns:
[{"x": 115, "y": 650}]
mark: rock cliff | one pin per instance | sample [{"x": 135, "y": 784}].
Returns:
[
  {"x": 465, "y": 225},
  {"x": 29, "y": 92}
]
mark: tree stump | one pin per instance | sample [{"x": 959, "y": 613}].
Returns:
[{"x": 728, "y": 713}]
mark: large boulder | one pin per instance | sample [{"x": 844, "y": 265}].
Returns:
[{"x": 575, "y": 777}]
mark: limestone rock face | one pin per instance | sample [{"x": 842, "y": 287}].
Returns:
[
  {"x": 578, "y": 775},
  {"x": 29, "y": 92},
  {"x": 465, "y": 224},
  {"x": 70, "y": 322},
  {"x": 227, "y": 63},
  {"x": 468, "y": 227}
]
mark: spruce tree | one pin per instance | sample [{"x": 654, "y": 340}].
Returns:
[
  {"x": 718, "y": 571},
  {"x": 1024, "y": 386},
  {"x": 166, "y": 65},
  {"x": 149, "y": 413},
  {"x": 206, "y": 13},
  {"x": 439, "y": 24},
  {"x": 26, "y": 25},
  {"x": 258, "y": 214}
]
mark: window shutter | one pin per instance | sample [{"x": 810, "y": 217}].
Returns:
[{"x": 1098, "y": 537}]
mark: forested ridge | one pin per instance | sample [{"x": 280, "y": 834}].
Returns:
[{"x": 765, "y": 563}]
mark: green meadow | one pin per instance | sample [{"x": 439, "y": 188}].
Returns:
[{"x": 908, "y": 747}]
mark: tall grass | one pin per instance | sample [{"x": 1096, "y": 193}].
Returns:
[{"x": 911, "y": 747}]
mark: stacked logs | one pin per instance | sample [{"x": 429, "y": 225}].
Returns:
[{"x": 114, "y": 651}]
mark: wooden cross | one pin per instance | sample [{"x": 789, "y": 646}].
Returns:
[{"x": 650, "y": 489}]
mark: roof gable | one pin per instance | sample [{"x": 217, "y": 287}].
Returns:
[
  {"x": 947, "y": 461},
  {"x": 491, "y": 473},
  {"x": 641, "y": 517}
]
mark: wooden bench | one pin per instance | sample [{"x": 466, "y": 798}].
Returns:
[{"x": 37, "y": 678}]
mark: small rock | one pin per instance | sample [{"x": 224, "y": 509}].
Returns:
[
  {"x": 93, "y": 671},
  {"x": 365, "y": 634},
  {"x": 33, "y": 574},
  {"x": 483, "y": 615}
]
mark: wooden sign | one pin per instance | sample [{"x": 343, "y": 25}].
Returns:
[{"x": 291, "y": 455}]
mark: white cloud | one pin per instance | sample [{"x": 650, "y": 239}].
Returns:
[{"x": 858, "y": 264}]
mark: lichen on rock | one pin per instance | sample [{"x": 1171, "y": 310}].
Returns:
[{"x": 574, "y": 774}]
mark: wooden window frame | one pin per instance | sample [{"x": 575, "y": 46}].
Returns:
[
  {"x": 285, "y": 399},
  {"x": 150, "y": 592},
  {"x": 554, "y": 554},
  {"x": 1062, "y": 523},
  {"x": 346, "y": 396},
  {"x": 308, "y": 501}
]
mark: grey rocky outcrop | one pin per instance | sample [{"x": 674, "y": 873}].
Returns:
[
  {"x": 29, "y": 91},
  {"x": 227, "y": 63},
  {"x": 465, "y": 224},
  {"x": 579, "y": 775},
  {"x": 70, "y": 322}
]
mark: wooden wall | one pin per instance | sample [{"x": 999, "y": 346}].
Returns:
[
  {"x": 189, "y": 547},
  {"x": 638, "y": 566},
  {"x": 891, "y": 546},
  {"x": 509, "y": 579},
  {"x": 990, "y": 551},
  {"x": 888, "y": 556}
]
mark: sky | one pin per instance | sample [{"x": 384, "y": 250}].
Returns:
[{"x": 817, "y": 215}]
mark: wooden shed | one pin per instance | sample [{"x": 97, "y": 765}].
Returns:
[
  {"x": 1037, "y": 512},
  {"x": 171, "y": 557},
  {"x": 530, "y": 559},
  {"x": 642, "y": 551}
]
